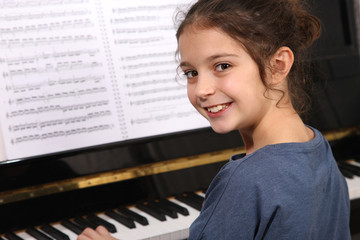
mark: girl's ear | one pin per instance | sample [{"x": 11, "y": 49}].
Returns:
[{"x": 281, "y": 63}]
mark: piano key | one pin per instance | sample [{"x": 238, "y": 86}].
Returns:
[
  {"x": 196, "y": 197},
  {"x": 37, "y": 234},
  {"x": 85, "y": 223},
  {"x": 189, "y": 201},
  {"x": 12, "y": 236},
  {"x": 164, "y": 209},
  {"x": 120, "y": 218},
  {"x": 72, "y": 226},
  {"x": 174, "y": 206},
  {"x": 53, "y": 232},
  {"x": 350, "y": 167},
  {"x": 133, "y": 215},
  {"x": 65, "y": 230},
  {"x": 25, "y": 236},
  {"x": 99, "y": 221},
  {"x": 151, "y": 211},
  {"x": 346, "y": 173},
  {"x": 353, "y": 183}
]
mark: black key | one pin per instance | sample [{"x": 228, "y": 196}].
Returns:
[
  {"x": 352, "y": 168},
  {"x": 164, "y": 209},
  {"x": 99, "y": 221},
  {"x": 196, "y": 197},
  {"x": 346, "y": 173},
  {"x": 72, "y": 226},
  {"x": 37, "y": 234},
  {"x": 133, "y": 215},
  {"x": 12, "y": 236},
  {"x": 189, "y": 201},
  {"x": 151, "y": 211},
  {"x": 85, "y": 223},
  {"x": 54, "y": 232},
  {"x": 174, "y": 206},
  {"x": 120, "y": 218}
]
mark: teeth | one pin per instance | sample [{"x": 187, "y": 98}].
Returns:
[{"x": 217, "y": 108}]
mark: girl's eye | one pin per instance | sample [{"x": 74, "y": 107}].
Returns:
[
  {"x": 190, "y": 74},
  {"x": 222, "y": 67}
]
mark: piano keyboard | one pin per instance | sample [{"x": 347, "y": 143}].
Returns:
[{"x": 171, "y": 219}]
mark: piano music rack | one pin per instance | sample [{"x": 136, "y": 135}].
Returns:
[{"x": 139, "y": 171}]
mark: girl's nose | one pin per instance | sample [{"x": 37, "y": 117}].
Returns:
[{"x": 204, "y": 87}]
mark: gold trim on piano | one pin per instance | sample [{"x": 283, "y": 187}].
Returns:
[{"x": 140, "y": 171}]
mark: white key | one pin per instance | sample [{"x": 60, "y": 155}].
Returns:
[
  {"x": 25, "y": 236},
  {"x": 353, "y": 184}
]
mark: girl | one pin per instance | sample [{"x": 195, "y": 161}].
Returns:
[{"x": 244, "y": 65}]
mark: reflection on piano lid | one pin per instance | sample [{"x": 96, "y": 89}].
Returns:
[{"x": 160, "y": 219}]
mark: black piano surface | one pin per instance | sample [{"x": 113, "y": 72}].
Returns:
[{"x": 58, "y": 207}]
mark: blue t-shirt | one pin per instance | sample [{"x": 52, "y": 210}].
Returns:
[{"x": 282, "y": 191}]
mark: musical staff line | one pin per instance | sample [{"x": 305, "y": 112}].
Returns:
[
  {"x": 150, "y": 73},
  {"x": 139, "y": 40},
  {"x": 147, "y": 55},
  {"x": 149, "y": 64},
  {"x": 158, "y": 99},
  {"x": 138, "y": 121},
  {"x": 42, "y": 15},
  {"x": 55, "y": 134},
  {"x": 134, "y": 19},
  {"x": 156, "y": 90},
  {"x": 144, "y": 8},
  {"x": 142, "y": 29},
  {"x": 59, "y": 67},
  {"x": 149, "y": 82},
  {"x": 68, "y": 24},
  {"x": 48, "y": 97},
  {"x": 63, "y": 54},
  {"x": 56, "y": 108},
  {"x": 40, "y": 125},
  {"x": 51, "y": 83},
  {"x": 28, "y": 42},
  {"x": 37, "y": 3}
]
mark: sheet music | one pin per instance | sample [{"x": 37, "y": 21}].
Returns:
[{"x": 78, "y": 73}]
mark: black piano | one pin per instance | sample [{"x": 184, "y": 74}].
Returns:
[
  {"x": 151, "y": 200},
  {"x": 153, "y": 187}
]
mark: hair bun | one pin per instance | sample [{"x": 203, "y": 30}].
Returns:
[{"x": 309, "y": 28}]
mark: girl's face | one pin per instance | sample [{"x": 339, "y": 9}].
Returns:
[{"x": 224, "y": 83}]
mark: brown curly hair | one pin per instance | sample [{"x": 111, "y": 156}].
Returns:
[{"x": 263, "y": 26}]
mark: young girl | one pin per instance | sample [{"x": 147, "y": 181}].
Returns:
[{"x": 244, "y": 63}]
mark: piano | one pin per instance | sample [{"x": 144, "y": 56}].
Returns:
[{"x": 133, "y": 202}]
